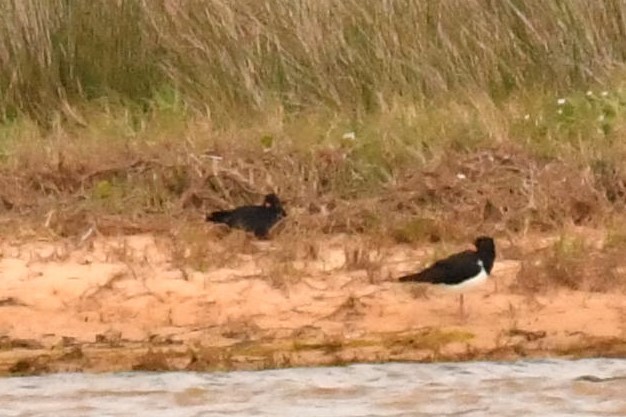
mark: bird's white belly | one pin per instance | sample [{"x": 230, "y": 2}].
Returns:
[{"x": 471, "y": 283}]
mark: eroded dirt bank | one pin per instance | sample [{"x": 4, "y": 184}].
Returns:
[{"x": 127, "y": 303}]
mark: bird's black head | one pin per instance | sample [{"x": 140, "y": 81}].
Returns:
[
  {"x": 484, "y": 242},
  {"x": 486, "y": 249},
  {"x": 272, "y": 201}
]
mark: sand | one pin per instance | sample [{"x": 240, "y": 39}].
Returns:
[{"x": 124, "y": 303}]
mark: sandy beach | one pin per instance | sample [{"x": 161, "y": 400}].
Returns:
[{"x": 124, "y": 303}]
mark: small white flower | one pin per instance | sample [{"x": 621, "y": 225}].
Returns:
[
  {"x": 349, "y": 136},
  {"x": 527, "y": 117},
  {"x": 461, "y": 176},
  {"x": 560, "y": 101},
  {"x": 589, "y": 93},
  {"x": 604, "y": 93}
]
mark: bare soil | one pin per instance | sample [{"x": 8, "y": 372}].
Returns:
[{"x": 128, "y": 303}]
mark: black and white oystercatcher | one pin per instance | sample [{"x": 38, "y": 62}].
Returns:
[
  {"x": 256, "y": 219},
  {"x": 460, "y": 271}
]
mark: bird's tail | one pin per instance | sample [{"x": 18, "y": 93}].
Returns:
[
  {"x": 218, "y": 216},
  {"x": 427, "y": 275},
  {"x": 409, "y": 278}
]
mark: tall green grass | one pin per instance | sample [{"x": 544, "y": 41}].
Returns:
[{"x": 235, "y": 58}]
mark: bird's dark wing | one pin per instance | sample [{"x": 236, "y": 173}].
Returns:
[
  {"x": 264, "y": 220},
  {"x": 245, "y": 217},
  {"x": 222, "y": 216},
  {"x": 237, "y": 217},
  {"x": 257, "y": 219},
  {"x": 452, "y": 270}
]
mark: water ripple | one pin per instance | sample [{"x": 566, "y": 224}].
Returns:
[{"x": 474, "y": 389}]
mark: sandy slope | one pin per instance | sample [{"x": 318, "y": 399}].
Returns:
[{"x": 122, "y": 304}]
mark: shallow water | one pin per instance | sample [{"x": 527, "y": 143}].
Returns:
[{"x": 594, "y": 387}]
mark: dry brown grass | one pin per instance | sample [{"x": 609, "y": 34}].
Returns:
[
  {"x": 459, "y": 195},
  {"x": 576, "y": 264}
]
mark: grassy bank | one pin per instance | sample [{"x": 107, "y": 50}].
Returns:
[
  {"x": 502, "y": 116},
  {"x": 232, "y": 59}
]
